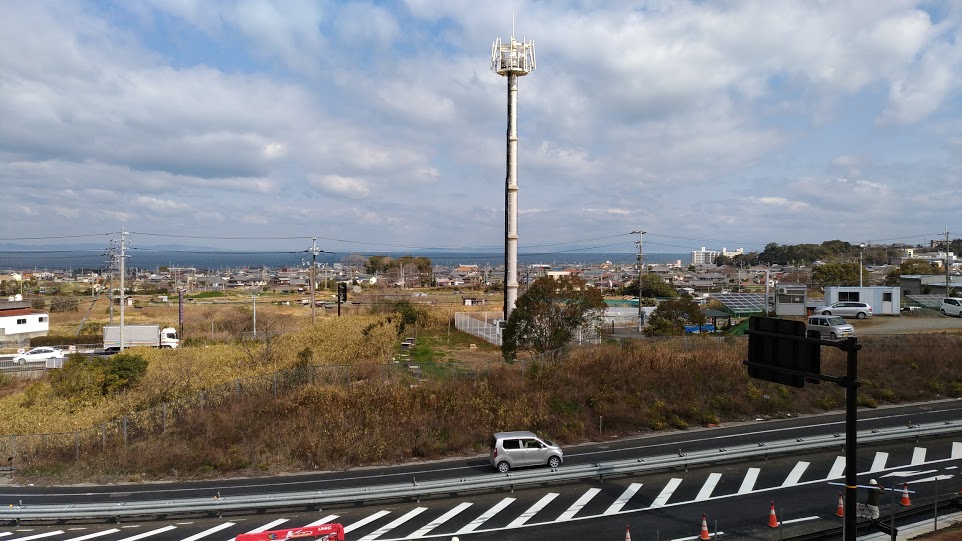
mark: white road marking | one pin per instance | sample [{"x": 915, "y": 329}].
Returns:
[
  {"x": 796, "y": 473},
  {"x": 918, "y": 456},
  {"x": 838, "y": 469},
  {"x": 878, "y": 464},
  {"x": 93, "y": 535},
  {"x": 326, "y": 520},
  {"x": 956, "y": 449},
  {"x": 394, "y": 523},
  {"x": 623, "y": 499},
  {"x": 578, "y": 505},
  {"x": 365, "y": 521},
  {"x": 440, "y": 520},
  {"x": 150, "y": 533},
  {"x": 40, "y": 535},
  {"x": 532, "y": 511},
  {"x": 666, "y": 492},
  {"x": 816, "y": 517},
  {"x": 209, "y": 531},
  {"x": 748, "y": 483},
  {"x": 933, "y": 478},
  {"x": 473, "y": 525},
  {"x": 269, "y": 525},
  {"x": 709, "y": 486}
]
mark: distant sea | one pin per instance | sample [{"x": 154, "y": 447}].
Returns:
[{"x": 35, "y": 259}]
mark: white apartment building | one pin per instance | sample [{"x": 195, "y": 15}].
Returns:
[{"x": 707, "y": 257}]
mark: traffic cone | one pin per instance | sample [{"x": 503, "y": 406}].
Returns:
[
  {"x": 905, "y": 495},
  {"x": 840, "y": 510},
  {"x": 704, "y": 528},
  {"x": 627, "y": 533},
  {"x": 772, "y": 519}
]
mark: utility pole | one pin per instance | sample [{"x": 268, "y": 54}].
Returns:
[
  {"x": 861, "y": 248},
  {"x": 314, "y": 252},
  {"x": 123, "y": 297},
  {"x": 641, "y": 264},
  {"x": 947, "y": 262}
]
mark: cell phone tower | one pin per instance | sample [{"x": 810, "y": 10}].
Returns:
[{"x": 513, "y": 60}]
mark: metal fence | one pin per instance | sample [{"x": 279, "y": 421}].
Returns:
[{"x": 484, "y": 325}]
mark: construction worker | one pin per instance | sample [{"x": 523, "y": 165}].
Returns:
[{"x": 873, "y": 498}]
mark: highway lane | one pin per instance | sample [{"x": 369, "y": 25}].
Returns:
[
  {"x": 659, "y": 444},
  {"x": 664, "y": 506}
]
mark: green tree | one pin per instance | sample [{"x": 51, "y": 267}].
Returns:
[
  {"x": 670, "y": 317},
  {"x": 82, "y": 379},
  {"x": 548, "y": 314},
  {"x": 838, "y": 274},
  {"x": 910, "y": 266},
  {"x": 652, "y": 286}
]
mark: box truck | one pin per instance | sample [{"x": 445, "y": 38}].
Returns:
[{"x": 140, "y": 335}]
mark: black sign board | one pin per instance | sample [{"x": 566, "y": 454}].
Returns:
[{"x": 778, "y": 351}]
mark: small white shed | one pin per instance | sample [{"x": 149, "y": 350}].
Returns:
[{"x": 884, "y": 300}]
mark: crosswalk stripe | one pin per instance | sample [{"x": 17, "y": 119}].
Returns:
[
  {"x": 533, "y": 510},
  {"x": 269, "y": 525},
  {"x": 666, "y": 492},
  {"x": 796, "y": 474},
  {"x": 365, "y": 521},
  {"x": 93, "y": 535},
  {"x": 394, "y": 523},
  {"x": 878, "y": 464},
  {"x": 918, "y": 456},
  {"x": 708, "y": 487},
  {"x": 748, "y": 483},
  {"x": 326, "y": 520},
  {"x": 623, "y": 499},
  {"x": 838, "y": 469},
  {"x": 474, "y": 524},
  {"x": 209, "y": 531},
  {"x": 148, "y": 534},
  {"x": 441, "y": 520},
  {"x": 39, "y": 535},
  {"x": 578, "y": 505}
]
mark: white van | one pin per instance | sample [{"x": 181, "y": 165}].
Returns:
[
  {"x": 951, "y": 306},
  {"x": 519, "y": 449}
]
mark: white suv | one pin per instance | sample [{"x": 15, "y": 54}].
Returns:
[{"x": 951, "y": 306}]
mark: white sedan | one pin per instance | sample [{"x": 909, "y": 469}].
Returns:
[{"x": 39, "y": 354}]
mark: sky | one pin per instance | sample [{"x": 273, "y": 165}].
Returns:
[{"x": 257, "y": 125}]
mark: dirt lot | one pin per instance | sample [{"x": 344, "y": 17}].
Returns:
[{"x": 915, "y": 322}]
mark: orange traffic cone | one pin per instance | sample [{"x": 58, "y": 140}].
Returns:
[
  {"x": 840, "y": 510},
  {"x": 905, "y": 495},
  {"x": 704, "y": 528},
  {"x": 772, "y": 519},
  {"x": 627, "y": 533}
]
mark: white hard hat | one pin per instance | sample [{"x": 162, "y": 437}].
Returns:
[{"x": 873, "y": 482}]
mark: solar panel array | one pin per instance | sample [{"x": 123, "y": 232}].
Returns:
[
  {"x": 742, "y": 303},
  {"x": 928, "y": 301}
]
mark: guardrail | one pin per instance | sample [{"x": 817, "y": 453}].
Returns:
[{"x": 217, "y": 505}]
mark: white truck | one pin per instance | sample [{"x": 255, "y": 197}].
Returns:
[{"x": 140, "y": 335}]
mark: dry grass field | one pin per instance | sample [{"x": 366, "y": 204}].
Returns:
[{"x": 381, "y": 413}]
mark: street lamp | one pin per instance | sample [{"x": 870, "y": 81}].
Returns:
[
  {"x": 861, "y": 248},
  {"x": 641, "y": 316}
]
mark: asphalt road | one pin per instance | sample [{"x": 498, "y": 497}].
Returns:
[{"x": 736, "y": 497}]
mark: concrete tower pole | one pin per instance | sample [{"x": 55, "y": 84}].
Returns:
[{"x": 511, "y": 60}]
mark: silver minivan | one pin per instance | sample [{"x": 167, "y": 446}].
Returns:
[
  {"x": 519, "y": 449},
  {"x": 829, "y": 328}
]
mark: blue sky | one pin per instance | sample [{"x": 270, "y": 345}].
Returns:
[{"x": 380, "y": 126}]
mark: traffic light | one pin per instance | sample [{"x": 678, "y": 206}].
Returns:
[{"x": 342, "y": 292}]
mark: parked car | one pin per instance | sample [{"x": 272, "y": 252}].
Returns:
[
  {"x": 951, "y": 306},
  {"x": 829, "y": 328},
  {"x": 519, "y": 449},
  {"x": 38, "y": 354},
  {"x": 859, "y": 310}
]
